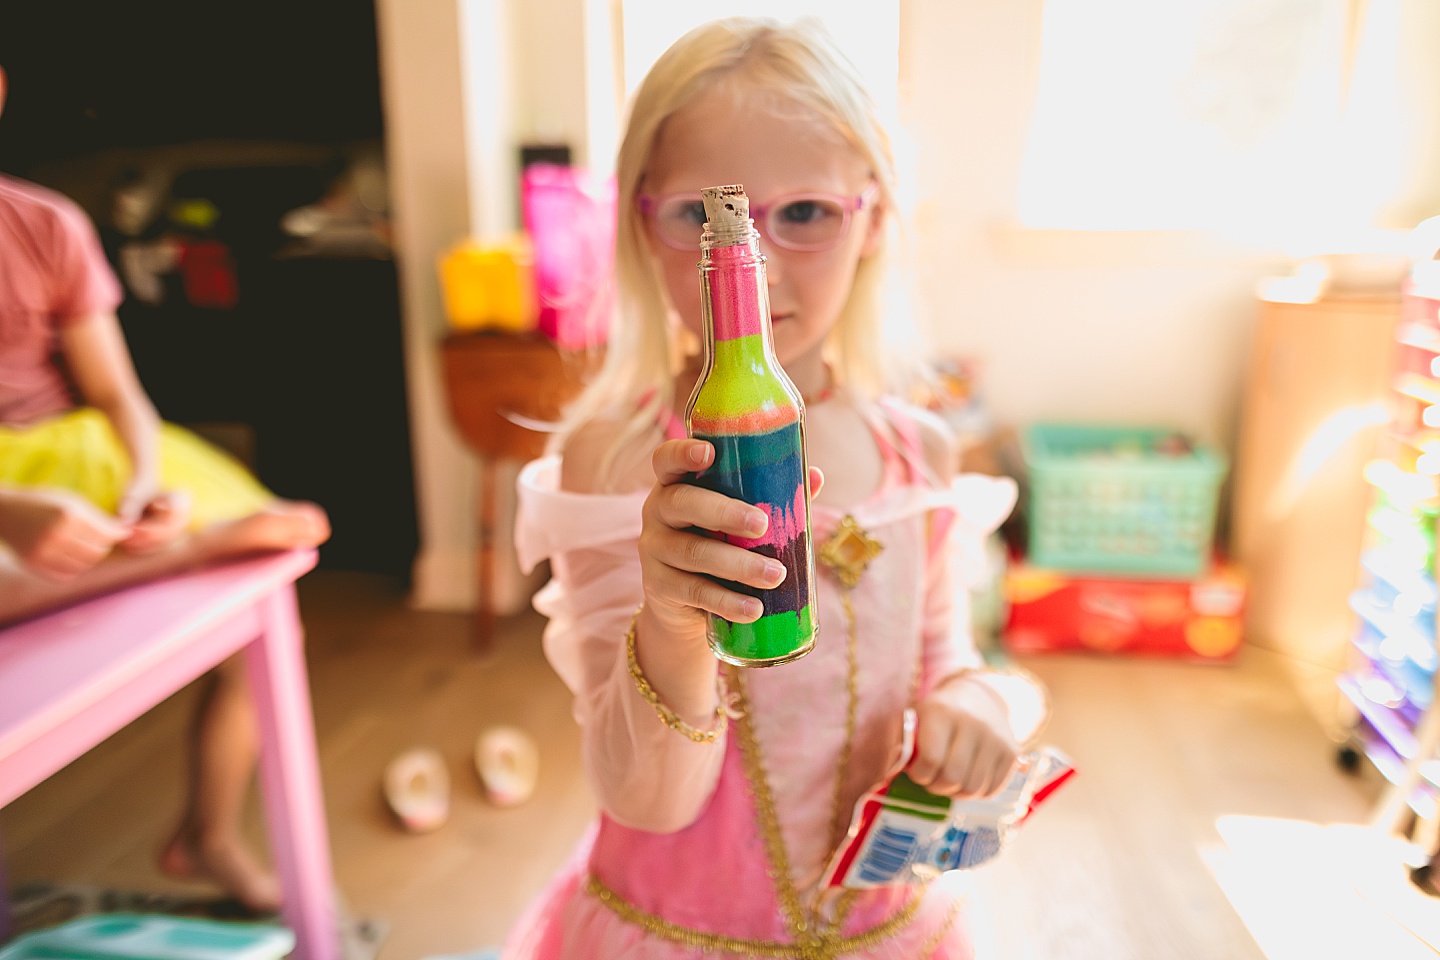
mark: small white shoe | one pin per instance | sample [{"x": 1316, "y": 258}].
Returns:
[
  {"x": 508, "y": 763},
  {"x": 417, "y": 788}
]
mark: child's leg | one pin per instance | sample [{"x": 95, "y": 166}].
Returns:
[
  {"x": 224, "y": 745},
  {"x": 26, "y": 594},
  {"x": 223, "y": 749},
  {"x": 281, "y": 526}
]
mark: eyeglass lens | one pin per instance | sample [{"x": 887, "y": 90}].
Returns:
[{"x": 801, "y": 222}]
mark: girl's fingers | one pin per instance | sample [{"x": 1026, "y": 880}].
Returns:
[
  {"x": 683, "y": 506},
  {"x": 674, "y": 459},
  {"x": 817, "y": 480},
  {"x": 68, "y": 561},
  {"x": 957, "y": 776},
  {"x": 129, "y": 509},
  {"x": 691, "y": 590},
  {"x": 978, "y": 775},
  {"x": 86, "y": 546},
  {"x": 1002, "y": 768},
  {"x": 143, "y": 539},
  {"x": 92, "y": 526},
  {"x": 698, "y": 554},
  {"x": 932, "y": 746},
  {"x": 59, "y": 572}
]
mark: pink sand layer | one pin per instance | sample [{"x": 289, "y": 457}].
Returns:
[
  {"x": 736, "y": 293},
  {"x": 787, "y": 522}
]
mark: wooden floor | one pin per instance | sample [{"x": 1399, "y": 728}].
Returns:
[{"x": 1126, "y": 862}]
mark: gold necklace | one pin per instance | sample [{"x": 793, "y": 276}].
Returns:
[
  {"x": 813, "y": 939},
  {"x": 847, "y": 552}
]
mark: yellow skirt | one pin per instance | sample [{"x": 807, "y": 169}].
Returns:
[{"x": 79, "y": 451}]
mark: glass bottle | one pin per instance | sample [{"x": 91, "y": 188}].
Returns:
[{"x": 747, "y": 408}]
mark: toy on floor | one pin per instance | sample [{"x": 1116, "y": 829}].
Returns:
[
  {"x": 129, "y": 936},
  {"x": 508, "y": 763},
  {"x": 417, "y": 789}
]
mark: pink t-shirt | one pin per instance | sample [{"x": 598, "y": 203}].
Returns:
[{"x": 52, "y": 272}]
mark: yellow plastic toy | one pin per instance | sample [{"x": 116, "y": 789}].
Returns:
[{"x": 490, "y": 286}]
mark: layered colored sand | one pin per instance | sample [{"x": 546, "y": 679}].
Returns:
[
  {"x": 745, "y": 406},
  {"x": 751, "y": 403},
  {"x": 768, "y": 470}
]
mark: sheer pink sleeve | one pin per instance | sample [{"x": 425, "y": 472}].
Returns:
[
  {"x": 644, "y": 774},
  {"x": 967, "y": 512}
]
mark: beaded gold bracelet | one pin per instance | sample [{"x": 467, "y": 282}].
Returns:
[{"x": 667, "y": 716}]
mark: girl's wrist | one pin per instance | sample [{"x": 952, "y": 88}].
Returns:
[
  {"x": 969, "y": 688},
  {"x": 678, "y": 666},
  {"x": 718, "y": 719}
]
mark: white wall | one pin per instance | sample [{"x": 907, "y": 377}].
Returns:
[
  {"x": 421, "y": 85},
  {"x": 1129, "y": 327},
  {"x": 548, "y": 66},
  {"x": 1419, "y": 75},
  {"x": 463, "y": 83}
]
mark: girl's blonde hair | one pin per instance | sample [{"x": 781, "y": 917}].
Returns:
[{"x": 799, "y": 63}]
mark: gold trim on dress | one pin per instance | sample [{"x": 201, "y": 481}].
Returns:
[
  {"x": 827, "y": 945},
  {"x": 847, "y": 553},
  {"x": 839, "y": 823}
]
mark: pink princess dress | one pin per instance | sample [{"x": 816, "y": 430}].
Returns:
[{"x": 716, "y": 849}]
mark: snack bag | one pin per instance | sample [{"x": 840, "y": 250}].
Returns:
[{"x": 902, "y": 833}]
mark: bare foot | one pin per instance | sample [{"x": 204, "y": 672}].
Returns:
[
  {"x": 225, "y": 863},
  {"x": 283, "y": 525}
]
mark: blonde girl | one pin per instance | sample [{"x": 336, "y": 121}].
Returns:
[{"x": 723, "y": 794}]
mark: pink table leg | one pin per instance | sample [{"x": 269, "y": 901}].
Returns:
[{"x": 290, "y": 777}]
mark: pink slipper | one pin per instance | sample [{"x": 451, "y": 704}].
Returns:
[
  {"x": 417, "y": 788},
  {"x": 508, "y": 763}
]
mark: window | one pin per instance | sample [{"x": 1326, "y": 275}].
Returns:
[{"x": 1261, "y": 119}]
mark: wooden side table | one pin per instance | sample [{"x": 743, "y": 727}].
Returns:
[{"x": 490, "y": 376}]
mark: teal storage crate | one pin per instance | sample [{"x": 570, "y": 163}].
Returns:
[
  {"x": 1123, "y": 500},
  {"x": 133, "y": 936}
]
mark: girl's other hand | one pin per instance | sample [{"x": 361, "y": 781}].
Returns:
[
  {"x": 57, "y": 534},
  {"x": 137, "y": 496},
  {"x": 162, "y": 520},
  {"x": 964, "y": 746},
  {"x": 680, "y": 563}
]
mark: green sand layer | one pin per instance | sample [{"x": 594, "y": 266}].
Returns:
[
  {"x": 736, "y": 395},
  {"x": 771, "y": 637}
]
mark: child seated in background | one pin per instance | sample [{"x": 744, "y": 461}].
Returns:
[{"x": 97, "y": 494}]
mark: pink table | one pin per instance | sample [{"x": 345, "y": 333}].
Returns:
[{"x": 70, "y": 679}]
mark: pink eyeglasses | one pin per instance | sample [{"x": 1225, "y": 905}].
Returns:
[{"x": 799, "y": 221}]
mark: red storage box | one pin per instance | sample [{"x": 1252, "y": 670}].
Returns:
[{"x": 1053, "y": 611}]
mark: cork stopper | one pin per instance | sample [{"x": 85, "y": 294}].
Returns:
[{"x": 727, "y": 214}]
